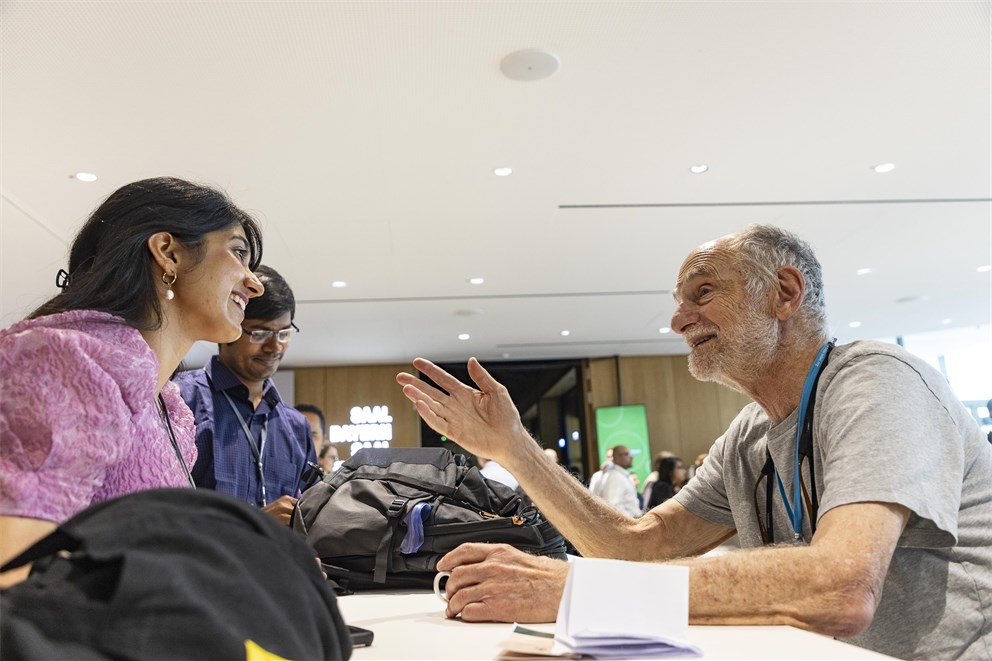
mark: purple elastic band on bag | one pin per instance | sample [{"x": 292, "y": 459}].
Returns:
[{"x": 415, "y": 528}]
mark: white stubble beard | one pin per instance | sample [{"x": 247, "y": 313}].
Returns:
[{"x": 745, "y": 350}]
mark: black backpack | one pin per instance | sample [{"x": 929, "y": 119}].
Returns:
[
  {"x": 388, "y": 515},
  {"x": 171, "y": 574}
]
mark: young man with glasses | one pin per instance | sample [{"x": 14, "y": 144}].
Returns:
[
  {"x": 250, "y": 443},
  {"x": 877, "y": 530}
]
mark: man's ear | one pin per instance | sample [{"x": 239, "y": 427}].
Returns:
[
  {"x": 166, "y": 251},
  {"x": 789, "y": 292}
]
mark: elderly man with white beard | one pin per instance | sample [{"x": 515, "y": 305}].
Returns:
[{"x": 820, "y": 477}]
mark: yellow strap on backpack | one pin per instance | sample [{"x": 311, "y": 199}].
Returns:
[{"x": 255, "y": 652}]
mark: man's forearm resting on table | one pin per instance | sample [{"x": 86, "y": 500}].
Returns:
[{"x": 831, "y": 586}]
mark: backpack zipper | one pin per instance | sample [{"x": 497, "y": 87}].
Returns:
[{"x": 516, "y": 519}]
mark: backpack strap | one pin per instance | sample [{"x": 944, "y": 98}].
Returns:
[
  {"x": 58, "y": 540},
  {"x": 394, "y": 514}
]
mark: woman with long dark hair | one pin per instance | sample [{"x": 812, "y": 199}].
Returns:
[
  {"x": 87, "y": 412},
  {"x": 671, "y": 477}
]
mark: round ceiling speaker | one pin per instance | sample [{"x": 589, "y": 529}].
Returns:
[{"x": 529, "y": 64}]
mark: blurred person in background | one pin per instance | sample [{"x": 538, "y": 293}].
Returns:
[
  {"x": 617, "y": 487},
  {"x": 672, "y": 476}
]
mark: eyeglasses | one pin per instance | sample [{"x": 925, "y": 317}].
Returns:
[
  {"x": 765, "y": 525},
  {"x": 262, "y": 336}
]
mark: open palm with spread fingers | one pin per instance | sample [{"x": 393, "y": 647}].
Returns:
[{"x": 482, "y": 420}]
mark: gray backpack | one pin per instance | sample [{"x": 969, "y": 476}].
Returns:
[{"x": 388, "y": 515}]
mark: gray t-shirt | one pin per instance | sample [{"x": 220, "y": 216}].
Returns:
[{"x": 886, "y": 428}]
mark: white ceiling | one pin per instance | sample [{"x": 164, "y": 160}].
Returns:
[{"x": 364, "y": 135}]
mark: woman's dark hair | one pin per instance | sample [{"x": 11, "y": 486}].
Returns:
[
  {"x": 666, "y": 469},
  {"x": 110, "y": 265}
]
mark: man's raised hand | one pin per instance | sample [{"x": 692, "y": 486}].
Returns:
[{"x": 482, "y": 420}]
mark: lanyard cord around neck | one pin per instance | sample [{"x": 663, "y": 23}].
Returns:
[
  {"x": 258, "y": 450},
  {"x": 804, "y": 447},
  {"x": 164, "y": 412}
]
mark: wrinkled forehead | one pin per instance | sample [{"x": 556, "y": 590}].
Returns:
[{"x": 713, "y": 259}]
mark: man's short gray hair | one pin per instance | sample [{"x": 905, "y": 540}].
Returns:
[{"x": 762, "y": 250}]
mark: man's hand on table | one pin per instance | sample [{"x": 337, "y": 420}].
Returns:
[{"x": 498, "y": 583}]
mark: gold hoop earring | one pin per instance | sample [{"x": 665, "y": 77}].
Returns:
[{"x": 169, "y": 294}]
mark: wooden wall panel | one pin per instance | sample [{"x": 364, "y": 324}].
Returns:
[
  {"x": 648, "y": 380},
  {"x": 603, "y": 377},
  {"x": 309, "y": 386},
  {"x": 698, "y": 406},
  {"x": 599, "y": 389}
]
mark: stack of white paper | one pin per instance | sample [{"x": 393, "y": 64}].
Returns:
[{"x": 619, "y": 609}]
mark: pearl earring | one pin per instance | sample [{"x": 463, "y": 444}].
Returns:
[{"x": 169, "y": 294}]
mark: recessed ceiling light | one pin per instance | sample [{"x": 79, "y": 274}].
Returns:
[
  {"x": 864, "y": 271},
  {"x": 882, "y": 168},
  {"x": 699, "y": 169},
  {"x": 339, "y": 283},
  {"x": 503, "y": 172},
  {"x": 855, "y": 324},
  {"x": 464, "y": 336},
  {"x": 984, "y": 269},
  {"x": 566, "y": 333},
  {"x": 945, "y": 321},
  {"x": 476, "y": 281},
  {"x": 666, "y": 329},
  {"x": 87, "y": 177}
]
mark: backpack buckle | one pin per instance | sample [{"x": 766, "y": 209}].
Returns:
[{"x": 395, "y": 509}]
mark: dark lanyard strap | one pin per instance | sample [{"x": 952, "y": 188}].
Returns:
[
  {"x": 164, "y": 411},
  {"x": 804, "y": 450},
  {"x": 768, "y": 470},
  {"x": 257, "y": 450}
]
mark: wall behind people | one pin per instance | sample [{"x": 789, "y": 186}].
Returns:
[
  {"x": 685, "y": 416},
  {"x": 337, "y": 390}
]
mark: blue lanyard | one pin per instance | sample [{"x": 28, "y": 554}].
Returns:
[{"x": 795, "y": 509}]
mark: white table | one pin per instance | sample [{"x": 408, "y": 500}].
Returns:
[{"x": 411, "y": 625}]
